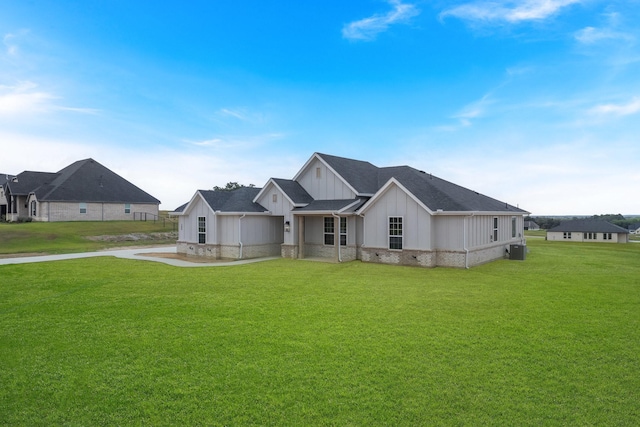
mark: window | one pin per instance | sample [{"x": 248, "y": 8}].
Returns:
[
  {"x": 585, "y": 236},
  {"x": 513, "y": 226},
  {"x": 127, "y": 208},
  {"x": 33, "y": 208},
  {"x": 329, "y": 230},
  {"x": 495, "y": 229},
  {"x": 202, "y": 229},
  {"x": 606, "y": 236},
  {"x": 395, "y": 232},
  {"x": 329, "y": 238},
  {"x": 83, "y": 208},
  {"x": 567, "y": 235}
]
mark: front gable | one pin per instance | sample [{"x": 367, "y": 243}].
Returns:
[
  {"x": 274, "y": 199},
  {"x": 322, "y": 182},
  {"x": 395, "y": 201}
]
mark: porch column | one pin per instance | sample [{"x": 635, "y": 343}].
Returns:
[{"x": 300, "y": 237}]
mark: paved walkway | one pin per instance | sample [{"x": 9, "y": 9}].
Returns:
[{"x": 137, "y": 254}]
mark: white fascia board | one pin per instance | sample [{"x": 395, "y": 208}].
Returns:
[
  {"x": 263, "y": 190},
  {"x": 286, "y": 196},
  {"x": 187, "y": 208},
  {"x": 385, "y": 188},
  {"x": 317, "y": 156},
  {"x": 490, "y": 213},
  {"x": 321, "y": 213},
  {"x": 267, "y": 213},
  {"x": 355, "y": 202}
]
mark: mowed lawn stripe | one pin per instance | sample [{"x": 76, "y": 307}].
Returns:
[{"x": 551, "y": 340}]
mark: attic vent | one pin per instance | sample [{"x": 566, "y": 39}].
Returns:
[{"x": 318, "y": 173}]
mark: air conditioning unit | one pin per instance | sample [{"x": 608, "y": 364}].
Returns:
[{"x": 518, "y": 252}]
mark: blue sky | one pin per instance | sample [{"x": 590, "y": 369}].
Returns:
[{"x": 533, "y": 102}]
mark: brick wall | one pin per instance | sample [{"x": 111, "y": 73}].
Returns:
[{"x": 70, "y": 211}]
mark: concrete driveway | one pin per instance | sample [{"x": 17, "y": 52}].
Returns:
[{"x": 140, "y": 254}]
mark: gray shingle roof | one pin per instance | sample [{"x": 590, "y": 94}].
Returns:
[
  {"x": 436, "y": 193},
  {"x": 82, "y": 181},
  {"x": 362, "y": 176},
  {"x": 238, "y": 200},
  {"x": 89, "y": 181},
  {"x": 4, "y": 177},
  {"x": 589, "y": 226},
  {"x": 294, "y": 190},
  {"x": 433, "y": 192},
  {"x": 28, "y": 181}
]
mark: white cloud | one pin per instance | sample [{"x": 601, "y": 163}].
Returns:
[
  {"x": 171, "y": 174},
  {"x": 368, "y": 28},
  {"x": 508, "y": 11},
  {"x": 11, "y": 47},
  {"x": 236, "y": 141},
  {"x": 591, "y": 35},
  {"x": 631, "y": 107},
  {"x": 24, "y": 98},
  {"x": 474, "y": 110}
]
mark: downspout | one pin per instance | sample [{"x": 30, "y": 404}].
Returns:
[
  {"x": 240, "y": 233},
  {"x": 466, "y": 231},
  {"x": 338, "y": 242}
]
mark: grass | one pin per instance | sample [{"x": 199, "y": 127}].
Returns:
[
  {"x": 67, "y": 237},
  {"x": 553, "y": 340}
]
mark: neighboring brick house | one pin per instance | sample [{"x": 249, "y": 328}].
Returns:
[
  {"x": 588, "y": 230},
  {"x": 83, "y": 191},
  {"x": 344, "y": 209}
]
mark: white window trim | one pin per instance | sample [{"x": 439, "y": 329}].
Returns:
[
  {"x": 401, "y": 235},
  {"x": 202, "y": 231}
]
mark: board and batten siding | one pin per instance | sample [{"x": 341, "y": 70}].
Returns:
[
  {"x": 188, "y": 224},
  {"x": 450, "y": 234},
  {"x": 322, "y": 184},
  {"x": 314, "y": 229},
  {"x": 281, "y": 207},
  {"x": 416, "y": 221}
]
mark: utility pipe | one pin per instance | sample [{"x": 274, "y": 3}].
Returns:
[
  {"x": 466, "y": 249},
  {"x": 240, "y": 233}
]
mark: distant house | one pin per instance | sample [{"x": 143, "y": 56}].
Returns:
[
  {"x": 3, "y": 199},
  {"x": 531, "y": 225},
  {"x": 588, "y": 230},
  {"x": 344, "y": 209},
  {"x": 634, "y": 228},
  {"x": 83, "y": 191}
]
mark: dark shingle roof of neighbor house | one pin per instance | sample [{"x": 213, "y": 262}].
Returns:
[
  {"x": 25, "y": 182},
  {"x": 4, "y": 177},
  {"x": 294, "y": 190},
  {"x": 89, "y": 181},
  {"x": 238, "y": 200},
  {"x": 588, "y": 226},
  {"x": 433, "y": 192}
]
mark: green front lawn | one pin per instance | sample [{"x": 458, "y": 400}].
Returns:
[
  {"x": 553, "y": 340},
  {"x": 66, "y": 237}
]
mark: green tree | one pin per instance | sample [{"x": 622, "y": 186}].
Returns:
[{"x": 231, "y": 186}]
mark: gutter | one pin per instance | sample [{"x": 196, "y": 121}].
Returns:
[{"x": 466, "y": 231}]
